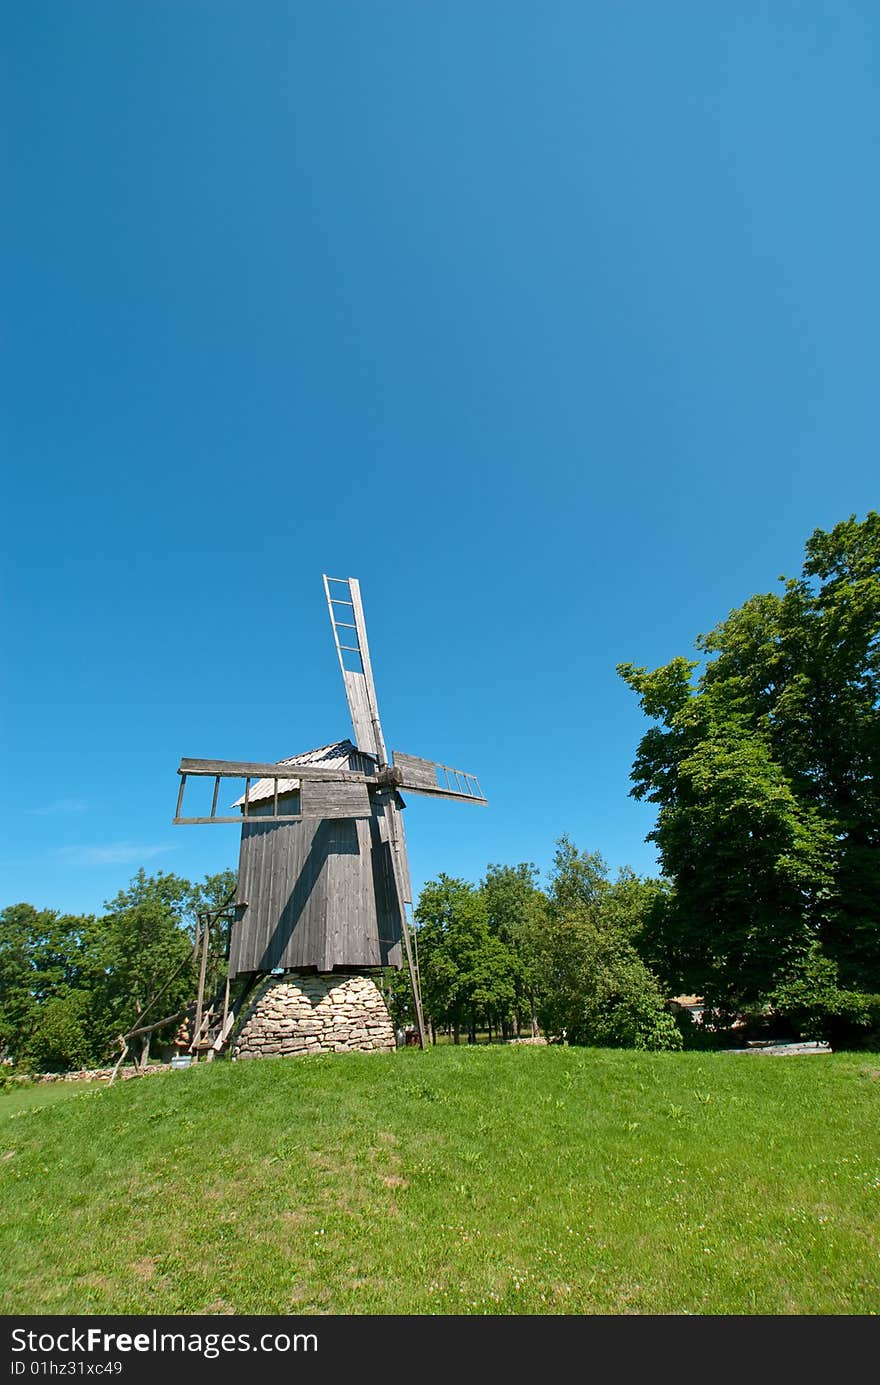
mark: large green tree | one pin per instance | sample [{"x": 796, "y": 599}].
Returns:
[
  {"x": 594, "y": 987},
  {"x": 765, "y": 767}
]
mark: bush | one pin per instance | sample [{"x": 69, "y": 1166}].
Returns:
[
  {"x": 694, "y": 1034},
  {"x": 597, "y": 990},
  {"x": 818, "y": 1007},
  {"x": 60, "y": 1040}
]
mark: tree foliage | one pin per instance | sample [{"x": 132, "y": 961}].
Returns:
[
  {"x": 70, "y": 984},
  {"x": 516, "y": 912},
  {"x": 594, "y": 986},
  {"x": 468, "y": 973},
  {"x": 766, "y": 772},
  {"x": 507, "y": 953}
]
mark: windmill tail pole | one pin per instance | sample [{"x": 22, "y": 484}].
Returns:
[
  {"x": 414, "y": 980},
  {"x": 398, "y": 847},
  {"x": 200, "y": 998}
]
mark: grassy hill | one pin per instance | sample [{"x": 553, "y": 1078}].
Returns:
[{"x": 481, "y": 1180}]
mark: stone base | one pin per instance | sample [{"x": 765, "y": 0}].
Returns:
[{"x": 324, "y": 1012}]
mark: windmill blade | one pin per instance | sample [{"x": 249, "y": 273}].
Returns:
[
  {"x": 325, "y": 791},
  {"x": 258, "y": 769},
  {"x": 436, "y": 780},
  {"x": 350, "y": 633}
]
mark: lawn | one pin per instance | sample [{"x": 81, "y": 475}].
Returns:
[
  {"x": 460, "y": 1180},
  {"x": 33, "y": 1097}
]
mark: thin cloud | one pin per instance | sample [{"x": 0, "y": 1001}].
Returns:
[
  {"x": 59, "y": 807},
  {"x": 110, "y": 854}
]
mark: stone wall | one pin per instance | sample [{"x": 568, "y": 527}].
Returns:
[
  {"x": 335, "y": 1012},
  {"x": 91, "y": 1074}
]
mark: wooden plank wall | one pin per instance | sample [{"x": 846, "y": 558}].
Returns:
[
  {"x": 319, "y": 894},
  {"x": 334, "y": 799}
]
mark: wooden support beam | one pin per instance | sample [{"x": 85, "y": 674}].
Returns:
[
  {"x": 159, "y": 1024},
  {"x": 200, "y": 998},
  {"x": 123, "y": 1044}
]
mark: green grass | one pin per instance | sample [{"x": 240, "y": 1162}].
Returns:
[
  {"x": 482, "y": 1180},
  {"x": 31, "y": 1098}
]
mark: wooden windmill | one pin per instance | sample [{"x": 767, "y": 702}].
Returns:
[{"x": 323, "y": 878}]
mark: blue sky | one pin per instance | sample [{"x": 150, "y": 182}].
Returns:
[{"x": 556, "y": 325}]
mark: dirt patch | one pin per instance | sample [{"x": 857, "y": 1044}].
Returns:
[
  {"x": 220, "y": 1306},
  {"x": 297, "y": 1217}
]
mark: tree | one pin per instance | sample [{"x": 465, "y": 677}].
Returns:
[
  {"x": 62, "y": 1036},
  {"x": 147, "y": 949},
  {"x": 212, "y": 894},
  {"x": 44, "y": 958},
  {"x": 578, "y": 878},
  {"x": 468, "y": 975},
  {"x": 766, "y": 773},
  {"x": 594, "y": 986},
  {"x": 18, "y": 925},
  {"x": 70, "y": 985},
  {"x": 818, "y": 1006},
  {"x": 600, "y": 992},
  {"x": 516, "y": 911}
]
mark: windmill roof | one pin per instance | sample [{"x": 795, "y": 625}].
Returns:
[{"x": 335, "y": 756}]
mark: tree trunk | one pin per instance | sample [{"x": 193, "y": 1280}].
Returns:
[{"x": 456, "y": 1034}]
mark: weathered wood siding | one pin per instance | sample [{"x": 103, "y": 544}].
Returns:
[
  {"x": 331, "y": 799},
  {"x": 318, "y": 894}
]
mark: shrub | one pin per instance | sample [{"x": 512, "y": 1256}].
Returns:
[
  {"x": 820, "y": 1008},
  {"x": 60, "y": 1039},
  {"x": 597, "y": 990}
]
